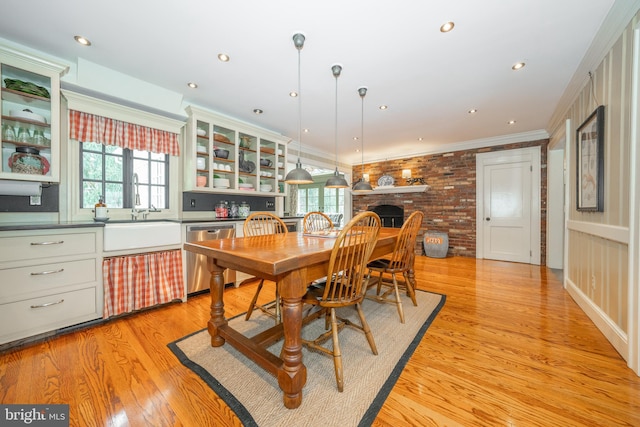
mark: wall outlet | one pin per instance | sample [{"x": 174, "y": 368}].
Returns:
[
  {"x": 35, "y": 200},
  {"x": 271, "y": 204},
  {"x": 593, "y": 282}
]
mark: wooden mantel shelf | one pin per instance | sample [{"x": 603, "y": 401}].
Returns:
[{"x": 395, "y": 189}]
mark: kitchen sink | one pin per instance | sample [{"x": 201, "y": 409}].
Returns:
[{"x": 135, "y": 235}]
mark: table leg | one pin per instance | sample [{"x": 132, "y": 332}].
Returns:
[
  {"x": 216, "y": 286},
  {"x": 293, "y": 374},
  {"x": 411, "y": 278}
]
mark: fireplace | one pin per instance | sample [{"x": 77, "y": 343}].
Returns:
[{"x": 390, "y": 215}]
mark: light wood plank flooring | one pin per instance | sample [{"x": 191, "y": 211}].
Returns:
[{"x": 509, "y": 348}]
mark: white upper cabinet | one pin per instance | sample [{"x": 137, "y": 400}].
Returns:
[
  {"x": 228, "y": 156},
  {"x": 29, "y": 117}
]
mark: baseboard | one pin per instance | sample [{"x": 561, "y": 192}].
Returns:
[{"x": 616, "y": 336}]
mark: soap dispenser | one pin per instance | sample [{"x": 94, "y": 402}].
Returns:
[{"x": 101, "y": 209}]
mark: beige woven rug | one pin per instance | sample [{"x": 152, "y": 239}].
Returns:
[{"x": 255, "y": 397}]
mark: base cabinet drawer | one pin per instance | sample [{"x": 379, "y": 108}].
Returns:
[
  {"x": 43, "y": 314},
  {"x": 45, "y": 278},
  {"x": 46, "y": 246}
]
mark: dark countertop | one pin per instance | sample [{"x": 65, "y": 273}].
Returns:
[{"x": 23, "y": 226}]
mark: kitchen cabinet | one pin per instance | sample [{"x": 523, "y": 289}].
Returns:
[
  {"x": 51, "y": 279},
  {"x": 30, "y": 117},
  {"x": 228, "y": 156}
]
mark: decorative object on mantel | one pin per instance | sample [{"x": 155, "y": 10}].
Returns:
[
  {"x": 363, "y": 185},
  {"x": 336, "y": 181},
  {"x": 299, "y": 175},
  {"x": 406, "y": 174},
  {"x": 386, "y": 180}
]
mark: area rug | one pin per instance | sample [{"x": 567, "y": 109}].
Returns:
[{"x": 255, "y": 397}]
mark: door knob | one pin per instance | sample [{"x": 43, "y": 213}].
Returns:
[{"x": 488, "y": 219}]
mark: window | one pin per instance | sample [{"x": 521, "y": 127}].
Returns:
[
  {"x": 315, "y": 197},
  {"x": 109, "y": 171}
]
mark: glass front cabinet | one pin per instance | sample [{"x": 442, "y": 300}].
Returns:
[
  {"x": 222, "y": 155},
  {"x": 30, "y": 117}
]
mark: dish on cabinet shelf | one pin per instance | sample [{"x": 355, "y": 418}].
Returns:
[
  {"x": 28, "y": 115},
  {"x": 26, "y": 87},
  {"x": 221, "y": 182},
  {"x": 245, "y": 186},
  {"x": 201, "y": 132},
  {"x": 386, "y": 181},
  {"x": 221, "y": 138}
]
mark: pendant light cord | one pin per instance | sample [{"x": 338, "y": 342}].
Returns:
[
  {"x": 299, "y": 109},
  {"x": 336, "y": 121},
  {"x": 362, "y": 135}
]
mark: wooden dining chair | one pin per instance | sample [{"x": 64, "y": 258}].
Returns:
[
  {"x": 316, "y": 221},
  {"x": 263, "y": 224},
  {"x": 344, "y": 286},
  {"x": 401, "y": 261}
]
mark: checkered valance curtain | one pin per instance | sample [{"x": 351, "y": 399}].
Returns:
[
  {"x": 103, "y": 130},
  {"x": 134, "y": 282}
]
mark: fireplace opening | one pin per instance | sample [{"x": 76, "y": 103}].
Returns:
[{"x": 390, "y": 215}]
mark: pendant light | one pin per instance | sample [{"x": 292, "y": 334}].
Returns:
[
  {"x": 336, "y": 181},
  {"x": 299, "y": 175},
  {"x": 362, "y": 186}
]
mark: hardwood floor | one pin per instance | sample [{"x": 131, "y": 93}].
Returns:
[{"x": 509, "y": 348}]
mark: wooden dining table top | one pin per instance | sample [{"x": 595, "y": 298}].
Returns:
[
  {"x": 273, "y": 255},
  {"x": 292, "y": 260}
]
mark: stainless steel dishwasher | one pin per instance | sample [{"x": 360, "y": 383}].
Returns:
[{"x": 197, "y": 274}]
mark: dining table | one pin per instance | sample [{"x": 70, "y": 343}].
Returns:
[{"x": 292, "y": 260}]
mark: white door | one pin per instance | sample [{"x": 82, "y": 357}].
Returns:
[
  {"x": 507, "y": 194},
  {"x": 508, "y": 206}
]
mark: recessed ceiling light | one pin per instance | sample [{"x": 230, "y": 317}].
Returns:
[
  {"x": 192, "y": 85},
  {"x": 511, "y": 122},
  {"x": 420, "y": 139},
  {"x": 82, "y": 40},
  {"x": 447, "y": 26},
  {"x": 223, "y": 57},
  {"x": 383, "y": 107},
  {"x": 293, "y": 94},
  {"x": 355, "y": 138},
  {"x": 517, "y": 66},
  {"x": 306, "y": 131},
  {"x": 472, "y": 111},
  {"x": 258, "y": 111}
]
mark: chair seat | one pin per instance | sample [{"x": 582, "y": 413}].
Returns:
[{"x": 380, "y": 263}]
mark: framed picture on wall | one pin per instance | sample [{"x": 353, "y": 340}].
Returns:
[{"x": 590, "y": 163}]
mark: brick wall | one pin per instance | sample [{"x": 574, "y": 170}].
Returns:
[{"x": 450, "y": 204}]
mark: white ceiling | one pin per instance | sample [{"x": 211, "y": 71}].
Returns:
[{"x": 428, "y": 79}]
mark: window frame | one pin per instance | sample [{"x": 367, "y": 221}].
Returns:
[{"x": 128, "y": 158}]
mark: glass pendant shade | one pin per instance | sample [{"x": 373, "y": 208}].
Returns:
[
  {"x": 336, "y": 181},
  {"x": 299, "y": 175}
]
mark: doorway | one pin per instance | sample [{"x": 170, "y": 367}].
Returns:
[{"x": 508, "y": 205}]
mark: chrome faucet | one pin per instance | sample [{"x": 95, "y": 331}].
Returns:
[{"x": 135, "y": 199}]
